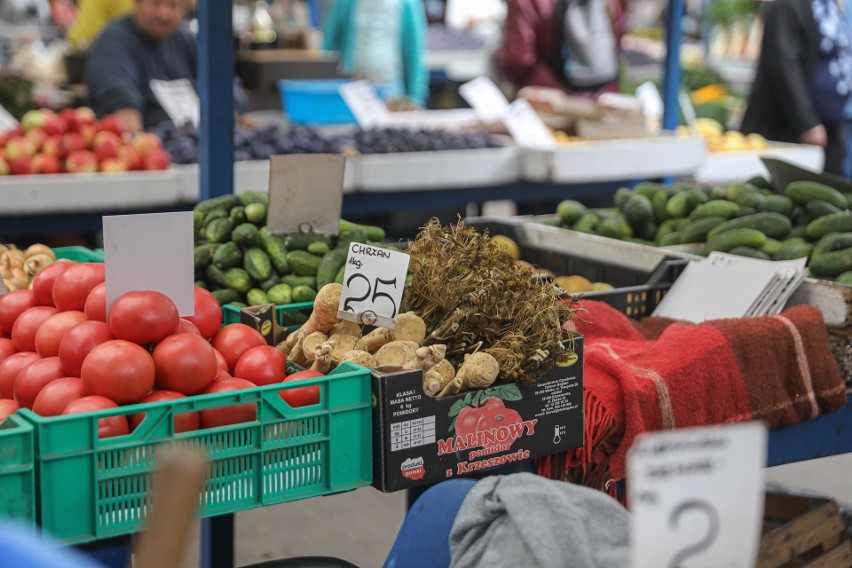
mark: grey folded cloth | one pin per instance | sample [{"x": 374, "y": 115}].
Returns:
[{"x": 528, "y": 520}]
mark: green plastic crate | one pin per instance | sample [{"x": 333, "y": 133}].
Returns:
[
  {"x": 91, "y": 488},
  {"x": 79, "y": 254},
  {"x": 289, "y": 315},
  {"x": 17, "y": 470}
]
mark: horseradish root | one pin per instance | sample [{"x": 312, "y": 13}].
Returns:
[
  {"x": 438, "y": 377},
  {"x": 322, "y": 318},
  {"x": 359, "y": 358},
  {"x": 427, "y": 357},
  {"x": 397, "y": 354},
  {"x": 346, "y": 328},
  {"x": 309, "y": 346},
  {"x": 322, "y": 358},
  {"x": 409, "y": 327},
  {"x": 479, "y": 370}
]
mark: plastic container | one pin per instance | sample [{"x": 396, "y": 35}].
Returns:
[
  {"x": 316, "y": 101},
  {"x": 17, "y": 470},
  {"x": 79, "y": 254},
  {"x": 289, "y": 315},
  {"x": 91, "y": 488}
]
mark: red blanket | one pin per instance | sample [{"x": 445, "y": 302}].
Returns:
[{"x": 659, "y": 374}]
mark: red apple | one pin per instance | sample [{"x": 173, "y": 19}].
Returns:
[
  {"x": 110, "y": 123},
  {"x": 69, "y": 117},
  {"x": 19, "y": 147},
  {"x": 4, "y": 167},
  {"x": 146, "y": 143},
  {"x": 113, "y": 165},
  {"x": 33, "y": 119},
  {"x": 73, "y": 141},
  {"x": 16, "y": 132},
  {"x": 46, "y": 164},
  {"x": 85, "y": 116},
  {"x": 106, "y": 145},
  {"x": 157, "y": 160},
  {"x": 81, "y": 161},
  {"x": 54, "y": 125},
  {"x": 37, "y": 136},
  {"x": 87, "y": 132},
  {"x": 131, "y": 157},
  {"x": 54, "y": 146},
  {"x": 21, "y": 166}
]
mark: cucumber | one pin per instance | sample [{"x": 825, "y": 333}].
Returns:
[
  {"x": 760, "y": 182},
  {"x": 280, "y": 294},
  {"x": 273, "y": 245},
  {"x": 296, "y": 318},
  {"x": 791, "y": 251},
  {"x": 670, "y": 239},
  {"x": 219, "y": 230},
  {"x": 819, "y": 208},
  {"x": 719, "y": 192},
  {"x": 197, "y": 223},
  {"x": 303, "y": 263},
  {"x": 715, "y": 208},
  {"x": 256, "y": 297},
  {"x": 293, "y": 280},
  {"x": 301, "y": 241},
  {"x": 696, "y": 231},
  {"x": 803, "y": 192},
  {"x": 638, "y": 211},
  {"x": 570, "y": 211},
  {"x": 318, "y": 248},
  {"x": 226, "y": 296},
  {"x": 728, "y": 240},
  {"x": 831, "y": 263},
  {"x": 646, "y": 232},
  {"x": 682, "y": 204},
  {"x": 249, "y": 197},
  {"x": 752, "y": 199},
  {"x": 256, "y": 213},
  {"x": 328, "y": 267},
  {"x": 273, "y": 280},
  {"x": 373, "y": 233},
  {"x": 586, "y": 224},
  {"x": 238, "y": 279},
  {"x": 245, "y": 235},
  {"x": 340, "y": 273},
  {"x": 203, "y": 255},
  {"x": 346, "y": 239},
  {"x": 257, "y": 264},
  {"x": 845, "y": 279},
  {"x": 658, "y": 202},
  {"x": 750, "y": 252},
  {"x": 778, "y": 204},
  {"x": 237, "y": 215},
  {"x": 239, "y": 305},
  {"x": 670, "y": 226},
  {"x": 793, "y": 241},
  {"x": 648, "y": 189},
  {"x": 215, "y": 276},
  {"x": 201, "y": 284},
  {"x": 611, "y": 227},
  {"x": 833, "y": 242},
  {"x": 771, "y": 247},
  {"x": 213, "y": 215},
  {"x": 839, "y": 222},
  {"x": 226, "y": 202},
  {"x": 772, "y": 225},
  {"x": 799, "y": 231},
  {"x": 735, "y": 191},
  {"x": 228, "y": 255},
  {"x": 303, "y": 294}
]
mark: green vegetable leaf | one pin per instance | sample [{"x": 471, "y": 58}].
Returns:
[
  {"x": 453, "y": 424},
  {"x": 456, "y": 408}
]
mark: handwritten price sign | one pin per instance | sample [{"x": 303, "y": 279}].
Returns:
[
  {"x": 697, "y": 497},
  {"x": 373, "y": 282}
]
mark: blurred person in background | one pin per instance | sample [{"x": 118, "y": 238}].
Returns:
[
  {"x": 482, "y": 17},
  {"x": 383, "y": 41},
  {"x": 92, "y": 16},
  {"x": 804, "y": 77}
]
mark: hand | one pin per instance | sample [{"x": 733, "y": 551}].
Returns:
[{"x": 816, "y": 136}]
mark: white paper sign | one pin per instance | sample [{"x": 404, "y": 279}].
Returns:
[
  {"x": 179, "y": 99},
  {"x": 527, "y": 128},
  {"x": 373, "y": 282},
  {"x": 150, "y": 252},
  {"x": 7, "y": 121},
  {"x": 305, "y": 193},
  {"x": 697, "y": 497},
  {"x": 485, "y": 98},
  {"x": 652, "y": 102},
  {"x": 370, "y": 111}
]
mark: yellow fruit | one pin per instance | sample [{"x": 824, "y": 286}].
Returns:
[
  {"x": 575, "y": 284},
  {"x": 756, "y": 141},
  {"x": 709, "y": 127},
  {"x": 508, "y": 245},
  {"x": 601, "y": 286}
]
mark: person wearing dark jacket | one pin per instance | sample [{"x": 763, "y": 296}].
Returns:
[{"x": 804, "y": 77}]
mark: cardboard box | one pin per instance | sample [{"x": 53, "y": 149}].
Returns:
[{"x": 416, "y": 438}]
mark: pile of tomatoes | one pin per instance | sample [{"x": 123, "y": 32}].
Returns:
[{"x": 60, "y": 354}]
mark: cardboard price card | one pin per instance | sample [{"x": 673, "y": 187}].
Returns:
[
  {"x": 485, "y": 97},
  {"x": 697, "y": 497},
  {"x": 361, "y": 98},
  {"x": 179, "y": 99},
  {"x": 373, "y": 282},
  {"x": 527, "y": 128}
]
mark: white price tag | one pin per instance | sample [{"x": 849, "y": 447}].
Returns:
[
  {"x": 688, "y": 111},
  {"x": 485, "y": 98},
  {"x": 697, "y": 497},
  {"x": 179, "y": 99},
  {"x": 150, "y": 252},
  {"x": 527, "y": 128},
  {"x": 7, "y": 121},
  {"x": 305, "y": 193},
  {"x": 652, "y": 102},
  {"x": 370, "y": 111},
  {"x": 373, "y": 282}
]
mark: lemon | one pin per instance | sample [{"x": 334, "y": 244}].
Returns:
[
  {"x": 601, "y": 286},
  {"x": 507, "y": 245},
  {"x": 575, "y": 284}
]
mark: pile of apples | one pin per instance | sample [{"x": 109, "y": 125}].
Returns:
[{"x": 74, "y": 141}]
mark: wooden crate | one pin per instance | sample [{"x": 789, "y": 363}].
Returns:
[{"x": 803, "y": 532}]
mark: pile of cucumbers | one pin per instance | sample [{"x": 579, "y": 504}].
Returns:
[
  {"x": 809, "y": 220},
  {"x": 243, "y": 264}
]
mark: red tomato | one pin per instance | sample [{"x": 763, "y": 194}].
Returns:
[
  {"x": 95, "y": 306},
  {"x": 489, "y": 416},
  {"x": 185, "y": 363},
  {"x": 14, "y": 304},
  {"x": 7, "y": 349},
  {"x": 221, "y": 363},
  {"x": 26, "y": 326},
  {"x": 231, "y": 414},
  {"x": 118, "y": 370},
  {"x": 10, "y": 368},
  {"x": 263, "y": 365},
  {"x": 143, "y": 317},
  {"x": 43, "y": 282},
  {"x": 58, "y": 394},
  {"x": 50, "y": 333},
  {"x": 107, "y": 427},
  {"x": 34, "y": 377},
  {"x": 208, "y": 313},
  {"x": 222, "y": 374},
  {"x": 303, "y": 396},
  {"x": 183, "y": 422},
  {"x": 72, "y": 285},
  {"x": 187, "y": 327},
  {"x": 79, "y": 341},
  {"x": 235, "y": 339},
  {"x": 8, "y": 407}
]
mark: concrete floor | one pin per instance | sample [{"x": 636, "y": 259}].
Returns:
[{"x": 360, "y": 526}]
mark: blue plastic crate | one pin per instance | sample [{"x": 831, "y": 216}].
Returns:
[{"x": 316, "y": 101}]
